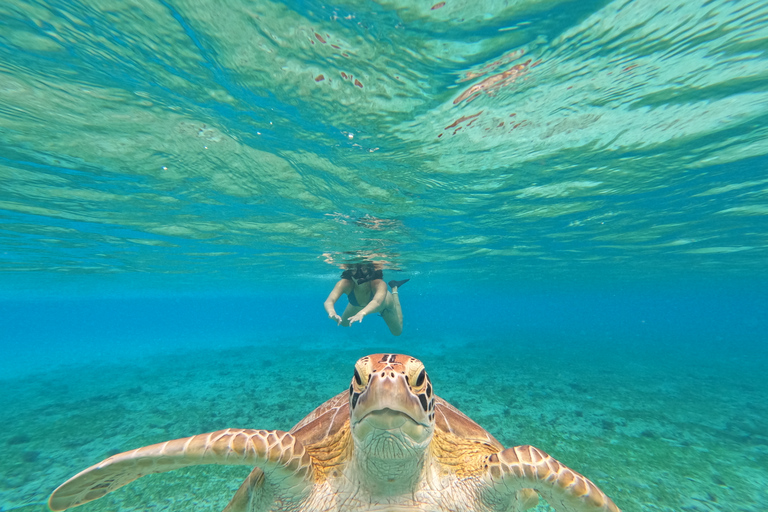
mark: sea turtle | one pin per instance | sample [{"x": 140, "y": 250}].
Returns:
[{"x": 388, "y": 444}]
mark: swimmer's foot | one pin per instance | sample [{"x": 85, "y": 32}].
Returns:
[{"x": 397, "y": 284}]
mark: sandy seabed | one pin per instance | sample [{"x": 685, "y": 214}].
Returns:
[{"x": 657, "y": 432}]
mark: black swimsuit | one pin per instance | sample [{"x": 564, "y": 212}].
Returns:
[{"x": 353, "y": 299}]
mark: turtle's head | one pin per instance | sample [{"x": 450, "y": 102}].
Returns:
[{"x": 392, "y": 407}]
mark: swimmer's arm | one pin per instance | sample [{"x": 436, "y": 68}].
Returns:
[
  {"x": 378, "y": 298},
  {"x": 341, "y": 288}
]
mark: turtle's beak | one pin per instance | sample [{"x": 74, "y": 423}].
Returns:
[{"x": 387, "y": 397}]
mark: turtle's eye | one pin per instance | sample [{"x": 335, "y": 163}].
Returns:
[
  {"x": 417, "y": 380},
  {"x": 360, "y": 378}
]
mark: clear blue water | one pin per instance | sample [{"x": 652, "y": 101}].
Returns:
[{"x": 577, "y": 191}]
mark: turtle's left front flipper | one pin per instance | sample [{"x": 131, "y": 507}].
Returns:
[
  {"x": 276, "y": 453},
  {"x": 527, "y": 467}
]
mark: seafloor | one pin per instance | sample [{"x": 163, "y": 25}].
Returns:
[{"x": 657, "y": 431}]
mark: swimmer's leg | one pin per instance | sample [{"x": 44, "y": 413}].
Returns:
[
  {"x": 349, "y": 311},
  {"x": 392, "y": 314}
]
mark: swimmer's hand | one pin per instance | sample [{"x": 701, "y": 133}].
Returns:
[
  {"x": 335, "y": 317},
  {"x": 356, "y": 318}
]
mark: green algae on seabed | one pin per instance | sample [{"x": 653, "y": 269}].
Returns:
[{"x": 693, "y": 439}]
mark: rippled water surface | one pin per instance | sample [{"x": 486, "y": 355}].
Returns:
[{"x": 608, "y": 138}]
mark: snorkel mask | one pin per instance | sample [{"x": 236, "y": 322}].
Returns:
[{"x": 363, "y": 274}]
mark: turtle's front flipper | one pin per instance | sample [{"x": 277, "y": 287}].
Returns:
[
  {"x": 275, "y": 452},
  {"x": 565, "y": 490}
]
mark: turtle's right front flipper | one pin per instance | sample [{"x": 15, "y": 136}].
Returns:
[
  {"x": 275, "y": 452},
  {"x": 526, "y": 467}
]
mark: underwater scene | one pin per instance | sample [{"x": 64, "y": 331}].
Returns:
[{"x": 210, "y": 210}]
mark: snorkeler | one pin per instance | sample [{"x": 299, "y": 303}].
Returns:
[{"x": 367, "y": 293}]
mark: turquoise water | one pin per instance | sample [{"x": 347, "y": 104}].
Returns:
[{"x": 577, "y": 191}]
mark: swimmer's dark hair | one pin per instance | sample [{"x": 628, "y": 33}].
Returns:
[{"x": 363, "y": 270}]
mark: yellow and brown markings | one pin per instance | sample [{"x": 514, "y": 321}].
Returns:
[
  {"x": 330, "y": 453},
  {"x": 465, "y": 457}
]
